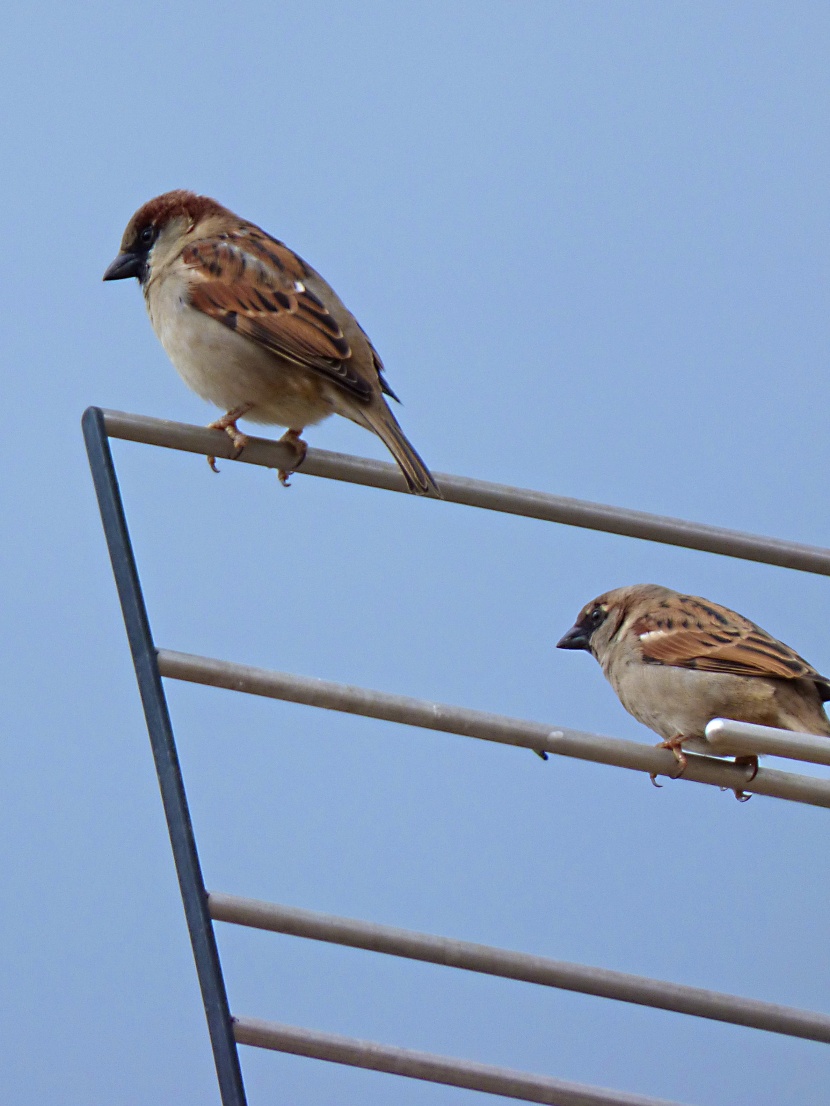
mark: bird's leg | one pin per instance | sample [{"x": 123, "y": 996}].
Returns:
[
  {"x": 751, "y": 762},
  {"x": 676, "y": 746},
  {"x": 292, "y": 437},
  {"x": 228, "y": 424}
]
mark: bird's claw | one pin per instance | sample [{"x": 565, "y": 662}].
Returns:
[
  {"x": 239, "y": 442},
  {"x": 676, "y": 746},
  {"x": 228, "y": 424},
  {"x": 750, "y": 761},
  {"x": 292, "y": 438}
]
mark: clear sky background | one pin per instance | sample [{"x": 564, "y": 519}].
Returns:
[{"x": 590, "y": 241}]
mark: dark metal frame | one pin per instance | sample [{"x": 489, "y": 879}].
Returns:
[{"x": 154, "y": 701}]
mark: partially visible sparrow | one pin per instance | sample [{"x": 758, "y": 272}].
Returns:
[
  {"x": 677, "y": 661},
  {"x": 254, "y": 329}
]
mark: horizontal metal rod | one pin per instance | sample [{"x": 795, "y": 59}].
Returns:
[
  {"x": 538, "y": 736},
  {"x": 520, "y": 966},
  {"x": 428, "y": 1066},
  {"x": 724, "y": 734},
  {"x": 479, "y": 493}
]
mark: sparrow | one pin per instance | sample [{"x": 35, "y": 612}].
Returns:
[
  {"x": 253, "y": 329},
  {"x": 678, "y": 661}
]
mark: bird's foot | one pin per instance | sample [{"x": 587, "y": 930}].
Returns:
[
  {"x": 676, "y": 746},
  {"x": 292, "y": 437},
  {"x": 228, "y": 424},
  {"x": 750, "y": 762}
]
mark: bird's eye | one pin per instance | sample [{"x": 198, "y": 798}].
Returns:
[
  {"x": 597, "y": 615},
  {"x": 147, "y": 235}
]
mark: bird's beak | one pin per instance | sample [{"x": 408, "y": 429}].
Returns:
[
  {"x": 125, "y": 265},
  {"x": 576, "y": 638}
]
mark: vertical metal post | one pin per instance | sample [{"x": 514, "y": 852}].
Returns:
[{"x": 188, "y": 869}]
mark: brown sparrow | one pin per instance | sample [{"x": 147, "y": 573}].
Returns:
[
  {"x": 255, "y": 330},
  {"x": 677, "y": 661}
]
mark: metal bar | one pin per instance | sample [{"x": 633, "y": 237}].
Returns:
[
  {"x": 188, "y": 870},
  {"x": 520, "y": 966},
  {"x": 538, "y": 736},
  {"x": 724, "y": 735},
  {"x": 480, "y": 493},
  {"x": 428, "y": 1066}
]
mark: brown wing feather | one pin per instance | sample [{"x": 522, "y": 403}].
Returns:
[
  {"x": 254, "y": 285},
  {"x": 695, "y": 633}
]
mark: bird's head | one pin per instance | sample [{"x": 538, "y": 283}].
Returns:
[{"x": 156, "y": 231}]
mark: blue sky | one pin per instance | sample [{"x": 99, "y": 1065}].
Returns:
[{"x": 590, "y": 241}]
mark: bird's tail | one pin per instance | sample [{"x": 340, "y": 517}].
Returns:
[{"x": 380, "y": 419}]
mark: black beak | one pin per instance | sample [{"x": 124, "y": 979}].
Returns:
[
  {"x": 576, "y": 638},
  {"x": 125, "y": 265}
]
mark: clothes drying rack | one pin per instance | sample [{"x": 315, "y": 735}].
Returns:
[{"x": 202, "y": 909}]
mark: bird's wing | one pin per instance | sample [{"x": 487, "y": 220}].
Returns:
[
  {"x": 255, "y": 285},
  {"x": 688, "y": 632}
]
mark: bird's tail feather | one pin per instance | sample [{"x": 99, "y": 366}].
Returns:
[{"x": 381, "y": 420}]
